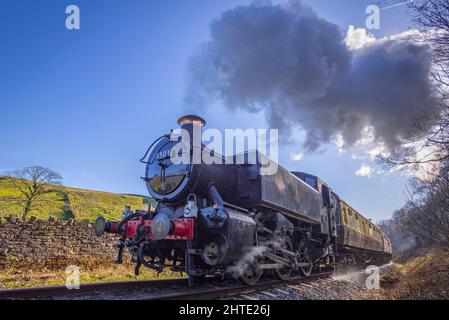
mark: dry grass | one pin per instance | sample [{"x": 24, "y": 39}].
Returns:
[
  {"x": 91, "y": 271},
  {"x": 425, "y": 278}
]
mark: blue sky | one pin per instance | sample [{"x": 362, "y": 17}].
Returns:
[{"x": 87, "y": 103}]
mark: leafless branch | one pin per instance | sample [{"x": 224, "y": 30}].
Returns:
[{"x": 31, "y": 184}]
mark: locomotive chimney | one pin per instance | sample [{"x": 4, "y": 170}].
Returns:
[
  {"x": 193, "y": 125},
  {"x": 189, "y": 122}
]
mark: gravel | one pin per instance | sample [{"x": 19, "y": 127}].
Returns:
[{"x": 343, "y": 286}]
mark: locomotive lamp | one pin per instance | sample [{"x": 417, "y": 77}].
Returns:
[{"x": 191, "y": 209}]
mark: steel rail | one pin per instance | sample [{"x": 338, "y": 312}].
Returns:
[
  {"x": 202, "y": 292},
  {"x": 91, "y": 288},
  {"x": 217, "y": 292}
]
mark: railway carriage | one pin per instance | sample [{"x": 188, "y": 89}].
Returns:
[
  {"x": 229, "y": 218},
  {"x": 359, "y": 238}
]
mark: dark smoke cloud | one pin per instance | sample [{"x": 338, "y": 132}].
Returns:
[{"x": 295, "y": 67}]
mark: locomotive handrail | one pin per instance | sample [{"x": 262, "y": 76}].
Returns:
[{"x": 151, "y": 146}]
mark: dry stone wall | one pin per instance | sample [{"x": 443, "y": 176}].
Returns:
[{"x": 43, "y": 242}]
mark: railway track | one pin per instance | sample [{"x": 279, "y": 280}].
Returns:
[
  {"x": 224, "y": 292},
  {"x": 89, "y": 289},
  {"x": 171, "y": 289}
]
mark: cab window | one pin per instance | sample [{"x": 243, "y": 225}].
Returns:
[{"x": 311, "y": 182}]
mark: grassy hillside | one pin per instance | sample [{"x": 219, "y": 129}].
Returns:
[{"x": 69, "y": 203}]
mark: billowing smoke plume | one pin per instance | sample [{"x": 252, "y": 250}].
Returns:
[{"x": 295, "y": 67}]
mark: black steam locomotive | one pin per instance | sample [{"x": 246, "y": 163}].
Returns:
[{"x": 230, "y": 219}]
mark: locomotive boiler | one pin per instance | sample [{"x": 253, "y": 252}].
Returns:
[{"x": 228, "y": 217}]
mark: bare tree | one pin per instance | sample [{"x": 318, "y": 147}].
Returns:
[
  {"x": 32, "y": 184},
  {"x": 401, "y": 239},
  {"x": 429, "y": 144},
  {"x": 433, "y": 16},
  {"x": 425, "y": 217}
]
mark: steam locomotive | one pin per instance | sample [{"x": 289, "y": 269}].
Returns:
[{"x": 225, "y": 218}]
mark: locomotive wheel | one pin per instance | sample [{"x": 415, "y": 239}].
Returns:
[
  {"x": 306, "y": 271},
  {"x": 285, "y": 272},
  {"x": 251, "y": 274}
]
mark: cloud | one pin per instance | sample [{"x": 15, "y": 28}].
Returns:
[
  {"x": 366, "y": 150},
  {"x": 357, "y": 38},
  {"x": 365, "y": 171},
  {"x": 297, "y": 156},
  {"x": 304, "y": 73}
]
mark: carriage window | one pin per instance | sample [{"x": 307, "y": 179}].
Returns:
[
  {"x": 363, "y": 227},
  {"x": 345, "y": 216},
  {"x": 351, "y": 218}
]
